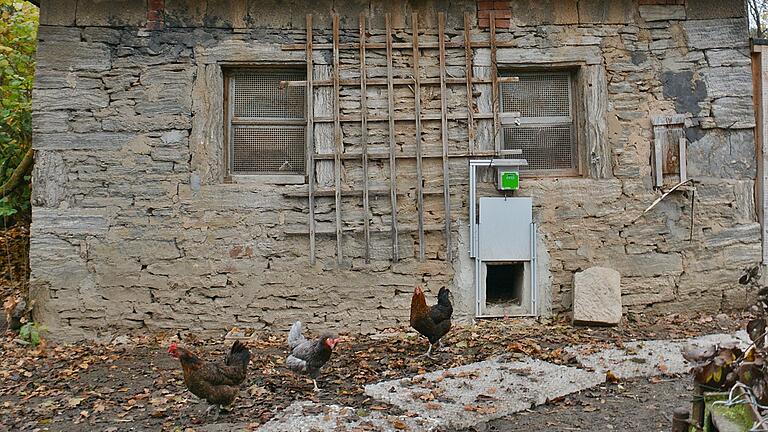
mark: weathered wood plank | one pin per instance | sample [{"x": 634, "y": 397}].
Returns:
[
  {"x": 351, "y": 156},
  {"x": 658, "y": 152},
  {"x": 364, "y": 141},
  {"x": 494, "y": 86},
  {"x": 392, "y": 161},
  {"x": 682, "y": 150},
  {"x": 398, "y": 45},
  {"x": 384, "y": 81},
  {"x": 310, "y": 143},
  {"x": 323, "y": 135},
  {"x": 444, "y": 134},
  {"x": 595, "y": 106},
  {"x": 338, "y": 145},
  {"x": 470, "y": 101},
  {"x": 402, "y": 118},
  {"x": 417, "y": 116}
]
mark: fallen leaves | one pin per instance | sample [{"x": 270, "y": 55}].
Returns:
[
  {"x": 134, "y": 381},
  {"x": 480, "y": 409},
  {"x": 398, "y": 424},
  {"x": 611, "y": 377},
  {"x": 75, "y": 401}
]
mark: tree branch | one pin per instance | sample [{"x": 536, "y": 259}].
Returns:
[{"x": 17, "y": 177}]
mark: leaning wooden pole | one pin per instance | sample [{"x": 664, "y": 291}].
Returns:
[
  {"x": 338, "y": 146},
  {"x": 310, "y": 141},
  {"x": 417, "y": 117},
  {"x": 494, "y": 87},
  {"x": 392, "y": 161},
  {"x": 364, "y": 141},
  {"x": 444, "y": 134},
  {"x": 470, "y": 97}
]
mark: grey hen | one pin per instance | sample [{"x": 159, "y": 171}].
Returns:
[{"x": 307, "y": 357}]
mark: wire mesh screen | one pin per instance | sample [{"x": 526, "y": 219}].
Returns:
[
  {"x": 258, "y": 94},
  {"x": 537, "y": 94},
  {"x": 545, "y": 147},
  {"x": 268, "y": 150}
]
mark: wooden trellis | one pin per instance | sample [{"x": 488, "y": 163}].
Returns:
[{"x": 364, "y": 156}]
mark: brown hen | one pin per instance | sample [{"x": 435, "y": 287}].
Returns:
[{"x": 215, "y": 382}]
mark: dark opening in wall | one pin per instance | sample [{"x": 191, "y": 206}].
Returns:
[{"x": 504, "y": 282}]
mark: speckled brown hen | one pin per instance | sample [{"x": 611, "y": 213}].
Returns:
[{"x": 217, "y": 383}]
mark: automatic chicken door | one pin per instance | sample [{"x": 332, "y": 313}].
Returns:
[{"x": 503, "y": 246}]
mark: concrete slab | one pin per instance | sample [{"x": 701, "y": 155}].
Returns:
[
  {"x": 647, "y": 358},
  {"x": 473, "y": 394},
  {"x": 311, "y": 417},
  {"x": 469, "y": 395}
]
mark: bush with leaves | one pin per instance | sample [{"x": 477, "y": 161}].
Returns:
[
  {"x": 18, "y": 44},
  {"x": 720, "y": 367}
]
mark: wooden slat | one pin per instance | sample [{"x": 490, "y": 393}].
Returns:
[
  {"x": 384, "y": 81},
  {"x": 470, "y": 98},
  {"x": 364, "y": 140},
  {"x": 658, "y": 152},
  {"x": 683, "y": 144},
  {"x": 354, "y": 193},
  {"x": 310, "y": 142},
  {"x": 444, "y": 134},
  {"x": 417, "y": 109},
  {"x": 494, "y": 85},
  {"x": 380, "y": 155},
  {"x": 404, "y": 117},
  {"x": 398, "y": 45},
  {"x": 338, "y": 146},
  {"x": 392, "y": 162},
  {"x": 298, "y": 230}
]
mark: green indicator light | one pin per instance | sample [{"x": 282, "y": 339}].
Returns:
[{"x": 510, "y": 180}]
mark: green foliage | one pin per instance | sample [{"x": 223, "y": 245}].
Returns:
[
  {"x": 18, "y": 44},
  {"x": 32, "y": 333}
]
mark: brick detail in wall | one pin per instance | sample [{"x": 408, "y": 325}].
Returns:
[
  {"x": 502, "y": 13},
  {"x": 155, "y": 14}
]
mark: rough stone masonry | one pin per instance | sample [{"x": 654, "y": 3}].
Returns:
[{"x": 135, "y": 227}]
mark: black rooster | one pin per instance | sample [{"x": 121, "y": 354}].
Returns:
[{"x": 434, "y": 322}]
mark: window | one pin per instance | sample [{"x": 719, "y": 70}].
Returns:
[
  {"x": 266, "y": 122},
  {"x": 545, "y": 130}
]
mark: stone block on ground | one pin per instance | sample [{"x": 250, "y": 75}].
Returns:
[{"x": 597, "y": 297}]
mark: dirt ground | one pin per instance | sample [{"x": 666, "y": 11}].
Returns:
[
  {"x": 638, "y": 405},
  {"x": 133, "y": 383}
]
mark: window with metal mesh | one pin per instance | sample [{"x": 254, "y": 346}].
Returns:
[
  {"x": 267, "y": 122},
  {"x": 544, "y": 130}
]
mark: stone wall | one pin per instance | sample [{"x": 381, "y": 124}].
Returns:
[{"x": 134, "y": 226}]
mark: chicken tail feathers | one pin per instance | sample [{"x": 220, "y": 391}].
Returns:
[
  {"x": 295, "y": 338},
  {"x": 443, "y": 297},
  {"x": 239, "y": 354}
]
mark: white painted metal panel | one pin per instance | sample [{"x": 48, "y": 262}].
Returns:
[{"x": 505, "y": 229}]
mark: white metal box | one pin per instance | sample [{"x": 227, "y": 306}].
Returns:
[{"x": 505, "y": 229}]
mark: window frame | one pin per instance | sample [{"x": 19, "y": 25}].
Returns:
[
  {"x": 575, "y": 76},
  {"x": 228, "y": 126}
]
